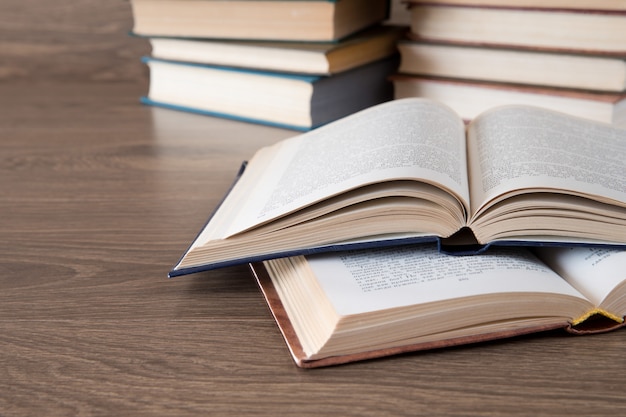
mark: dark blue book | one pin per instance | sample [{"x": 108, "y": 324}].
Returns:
[{"x": 299, "y": 102}]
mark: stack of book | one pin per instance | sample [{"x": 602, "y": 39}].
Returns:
[
  {"x": 569, "y": 56},
  {"x": 297, "y": 64}
]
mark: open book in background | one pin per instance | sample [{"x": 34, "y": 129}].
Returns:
[
  {"x": 405, "y": 172},
  {"x": 338, "y": 308}
]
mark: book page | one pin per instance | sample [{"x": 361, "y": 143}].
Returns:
[
  {"x": 595, "y": 272},
  {"x": 517, "y": 147},
  {"x": 405, "y": 139},
  {"x": 364, "y": 281}
]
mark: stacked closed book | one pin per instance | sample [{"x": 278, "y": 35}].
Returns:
[
  {"x": 569, "y": 56},
  {"x": 296, "y": 64}
]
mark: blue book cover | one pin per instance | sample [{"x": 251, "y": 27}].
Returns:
[{"x": 293, "y": 101}]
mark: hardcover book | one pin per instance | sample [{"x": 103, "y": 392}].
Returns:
[
  {"x": 408, "y": 171},
  {"x": 582, "y": 5},
  {"x": 294, "y": 101},
  {"x": 550, "y": 30},
  {"x": 338, "y": 308},
  {"x": 291, "y": 20},
  {"x": 515, "y": 66},
  {"x": 315, "y": 58},
  {"x": 470, "y": 98}
]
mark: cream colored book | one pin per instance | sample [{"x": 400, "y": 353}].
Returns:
[
  {"x": 560, "y": 30},
  {"x": 316, "y": 58},
  {"x": 516, "y": 66},
  {"x": 293, "y": 20},
  {"x": 294, "y": 101},
  {"x": 471, "y": 98},
  {"x": 408, "y": 171},
  {"x": 583, "y": 5},
  {"x": 338, "y": 308}
]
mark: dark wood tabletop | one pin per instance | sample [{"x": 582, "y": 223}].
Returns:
[{"x": 100, "y": 195}]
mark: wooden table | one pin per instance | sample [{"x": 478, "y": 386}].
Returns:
[{"x": 100, "y": 195}]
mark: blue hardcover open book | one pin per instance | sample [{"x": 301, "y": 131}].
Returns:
[{"x": 411, "y": 171}]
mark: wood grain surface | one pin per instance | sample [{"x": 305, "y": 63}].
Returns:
[
  {"x": 100, "y": 195},
  {"x": 69, "y": 40}
]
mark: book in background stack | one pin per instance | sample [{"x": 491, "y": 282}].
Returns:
[
  {"x": 296, "y": 64},
  {"x": 568, "y": 56}
]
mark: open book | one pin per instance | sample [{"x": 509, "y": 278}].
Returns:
[
  {"x": 337, "y": 308},
  {"x": 405, "y": 171}
]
